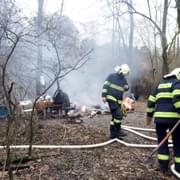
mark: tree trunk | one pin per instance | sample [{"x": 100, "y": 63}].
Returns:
[
  {"x": 39, "y": 44},
  {"x": 131, "y": 34},
  {"x": 165, "y": 65},
  {"x": 178, "y": 13}
]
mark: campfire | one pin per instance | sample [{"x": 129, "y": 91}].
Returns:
[{"x": 90, "y": 112}]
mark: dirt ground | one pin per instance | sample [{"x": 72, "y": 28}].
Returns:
[{"x": 111, "y": 162}]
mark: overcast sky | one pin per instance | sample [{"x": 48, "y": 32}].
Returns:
[
  {"x": 78, "y": 10},
  {"x": 87, "y": 15}
]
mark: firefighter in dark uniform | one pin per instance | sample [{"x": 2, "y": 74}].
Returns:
[
  {"x": 112, "y": 93},
  {"x": 164, "y": 105}
]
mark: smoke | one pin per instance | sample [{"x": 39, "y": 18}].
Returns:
[{"x": 85, "y": 85}]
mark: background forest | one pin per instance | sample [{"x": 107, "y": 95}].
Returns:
[{"x": 45, "y": 51}]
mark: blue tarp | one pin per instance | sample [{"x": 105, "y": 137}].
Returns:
[{"x": 3, "y": 111}]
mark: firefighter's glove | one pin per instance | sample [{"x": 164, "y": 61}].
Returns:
[
  {"x": 124, "y": 110},
  {"x": 148, "y": 120},
  {"x": 104, "y": 99}
]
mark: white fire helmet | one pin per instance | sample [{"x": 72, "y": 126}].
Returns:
[
  {"x": 175, "y": 72},
  {"x": 123, "y": 69}
]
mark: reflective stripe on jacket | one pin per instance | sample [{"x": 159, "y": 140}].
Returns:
[
  {"x": 113, "y": 87},
  {"x": 164, "y": 101}
]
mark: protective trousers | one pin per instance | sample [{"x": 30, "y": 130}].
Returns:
[
  {"x": 163, "y": 152},
  {"x": 115, "y": 125}
]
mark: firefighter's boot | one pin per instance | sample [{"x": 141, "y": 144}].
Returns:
[
  {"x": 113, "y": 132},
  {"x": 117, "y": 126},
  {"x": 121, "y": 132}
]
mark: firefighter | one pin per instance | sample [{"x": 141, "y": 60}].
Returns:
[
  {"x": 164, "y": 105},
  {"x": 112, "y": 93}
]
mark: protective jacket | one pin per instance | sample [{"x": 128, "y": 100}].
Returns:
[
  {"x": 114, "y": 87},
  {"x": 164, "y": 101}
]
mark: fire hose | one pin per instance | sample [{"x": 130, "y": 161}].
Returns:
[
  {"x": 127, "y": 128},
  {"x": 139, "y": 129}
]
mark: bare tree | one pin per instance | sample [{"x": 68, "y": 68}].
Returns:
[
  {"x": 39, "y": 44},
  {"x": 165, "y": 67},
  {"x": 67, "y": 52},
  {"x": 58, "y": 75},
  {"x": 118, "y": 36},
  {"x": 161, "y": 30},
  {"x": 159, "y": 24},
  {"x": 178, "y": 22},
  {"x": 12, "y": 31},
  {"x": 131, "y": 34},
  {"x": 178, "y": 12}
]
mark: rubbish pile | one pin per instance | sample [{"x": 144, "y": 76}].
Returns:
[{"x": 47, "y": 108}]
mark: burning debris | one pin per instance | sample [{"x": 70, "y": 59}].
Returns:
[
  {"x": 60, "y": 105},
  {"x": 84, "y": 111},
  {"x": 90, "y": 112}
]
